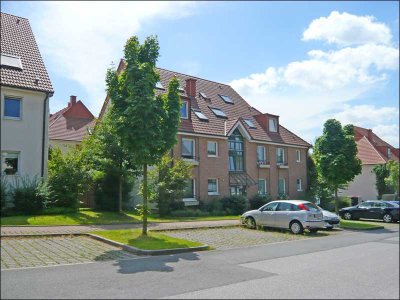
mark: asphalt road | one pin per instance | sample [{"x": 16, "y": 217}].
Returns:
[{"x": 349, "y": 265}]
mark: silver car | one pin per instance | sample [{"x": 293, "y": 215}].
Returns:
[
  {"x": 295, "y": 215},
  {"x": 331, "y": 220}
]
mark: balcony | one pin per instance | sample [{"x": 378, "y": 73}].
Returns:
[
  {"x": 263, "y": 164},
  {"x": 193, "y": 160},
  {"x": 282, "y": 165}
]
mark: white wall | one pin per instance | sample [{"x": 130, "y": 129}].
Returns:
[
  {"x": 64, "y": 146},
  {"x": 363, "y": 185},
  {"x": 25, "y": 135}
]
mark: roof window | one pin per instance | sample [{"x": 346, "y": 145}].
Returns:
[
  {"x": 11, "y": 61},
  {"x": 219, "y": 113},
  {"x": 227, "y": 99},
  {"x": 200, "y": 115},
  {"x": 250, "y": 123},
  {"x": 159, "y": 85}
]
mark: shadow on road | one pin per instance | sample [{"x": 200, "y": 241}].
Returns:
[{"x": 153, "y": 263}]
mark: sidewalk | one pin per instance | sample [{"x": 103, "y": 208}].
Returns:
[{"x": 40, "y": 230}]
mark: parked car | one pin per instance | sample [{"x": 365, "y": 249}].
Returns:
[
  {"x": 388, "y": 211},
  {"x": 331, "y": 220},
  {"x": 295, "y": 215}
]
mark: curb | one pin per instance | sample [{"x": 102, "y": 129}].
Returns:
[{"x": 363, "y": 229}]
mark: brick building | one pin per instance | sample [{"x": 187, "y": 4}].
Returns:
[{"x": 233, "y": 147}]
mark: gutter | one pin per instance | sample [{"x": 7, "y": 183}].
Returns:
[{"x": 45, "y": 117}]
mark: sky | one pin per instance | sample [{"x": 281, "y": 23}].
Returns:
[{"x": 304, "y": 61}]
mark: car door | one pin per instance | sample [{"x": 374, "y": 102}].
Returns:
[
  {"x": 282, "y": 215},
  {"x": 267, "y": 217},
  {"x": 362, "y": 210},
  {"x": 377, "y": 210}
]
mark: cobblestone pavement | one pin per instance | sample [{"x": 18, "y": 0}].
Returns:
[
  {"x": 50, "y": 251},
  {"x": 21, "y": 230},
  {"x": 238, "y": 237}
]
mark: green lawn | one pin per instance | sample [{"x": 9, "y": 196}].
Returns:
[
  {"x": 153, "y": 241},
  {"x": 87, "y": 216},
  {"x": 358, "y": 225}
]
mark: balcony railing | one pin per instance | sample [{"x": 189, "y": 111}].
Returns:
[
  {"x": 263, "y": 164},
  {"x": 194, "y": 160},
  {"x": 282, "y": 165}
]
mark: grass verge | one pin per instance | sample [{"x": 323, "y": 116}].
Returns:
[
  {"x": 358, "y": 225},
  {"x": 153, "y": 240}
]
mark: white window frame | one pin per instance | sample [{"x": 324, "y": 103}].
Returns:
[
  {"x": 194, "y": 191},
  {"x": 217, "y": 184},
  {"x": 299, "y": 185},
  {"x": 20, "y": 107},
  {"x": 187, "y": 110},
  {"x": 275, "y": 122},
  {"x": 264, "y": 153},
  {"x": 216, "y": 149},
  {"x": 265, "y": 186},
  {"x": 298, "y": 156},
  {"x": 4, "y": 155},
  {"x": 277, "y": 155},
  {"x": 284, "y": 185},
  {"x": 194, "y": 147}
]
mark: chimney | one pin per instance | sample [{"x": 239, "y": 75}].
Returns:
[
  {"x": 72, "y": 100},
  {"x": 370, "y": 135},
  {"x": 191, "y": 87}
]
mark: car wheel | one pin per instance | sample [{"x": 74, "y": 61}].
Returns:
[
  {"x": 313, "y": 230},
  {"x": 250, "y": 223},
  {"x": 296, "y": 227},
  {"x": 347, "y": 216},
  {"x": 387, "y": 218}
]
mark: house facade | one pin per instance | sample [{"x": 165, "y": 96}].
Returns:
[
  {"x": 70, "y": 125},
  {"x": 372, "y": 151},
  {"x": 25, "y": 92},
  {"x": 233, "y": 148}
]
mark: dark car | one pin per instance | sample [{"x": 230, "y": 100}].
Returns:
[{"x": 388, "y": 211}]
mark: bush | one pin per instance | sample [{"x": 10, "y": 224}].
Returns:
[
  {"x": 30, "y": 195},
  {"x": 234, "y": 205},
  {"x": 4, "y": 186},
  {"x": 329, "y": 203},
  {"x": 257, "y": 201}
]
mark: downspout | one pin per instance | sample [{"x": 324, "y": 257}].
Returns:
[{"x": 44, "y": 132}]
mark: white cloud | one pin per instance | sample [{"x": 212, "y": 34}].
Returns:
[
  {"x": 388, "y": 133},
  {"x": 346, "y": 29},
  {"x": 82, "y": 38},
  {"x": 367, "y": 115}
]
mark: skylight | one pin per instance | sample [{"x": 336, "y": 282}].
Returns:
[
  {"x": 203, "y": 95},
  {"x": 159, "y": 85},
  {"x": 11, "y": 61},
  {"x": 250, "y": 123},
  {"x": 218, "y": 112},
  {"x": 181, "y": 89},
  {"x": 200, "y": 115},
  {"x": 227, "y": 99}
]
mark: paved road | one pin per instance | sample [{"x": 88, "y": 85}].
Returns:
[{"x": 349, "y": 265}]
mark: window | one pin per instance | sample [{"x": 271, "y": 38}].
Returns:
[
  {"x": 284, "y": 206},
  {"x": 10, "y": 163},
  {"x": 236, "y": 151},
  {"x": 12, "y": 108},
  {"x": 389, "y": 153},
  {"x": 298, "y": 157},
  {"x": 380, "y": 204},
  {"x": 272, "y": 125},
  {"x": 181, "y": 89},
  {"x": 280, "y": 156},
  {"x": 366, "y": 205},
  {"x": 188, "y": 148},
  {"x": 261, "y": 157},
  {"x": 189, "y": 191},
  {"x": 237, "y": 190},
  {"x": 203, "y": 95},
  {"x": 298, "y": 185},
  {"x": 200, "y": 115},
  {"x": 227, "y": 99},
  {"x": 270, "y": 206},
  {"x": 184, "y": 110},
  {"x": 262, "y": 186},
  {"x": 281, "y": 186},
  {"x": 212, "y": 148},
  {"x": 218, "y": 112},
  {"x": 213, "y": 186},
  {"x": 11, "y": 61},
  {"x": 159, "y": 85},
  {"x": 250, "y": 123}
]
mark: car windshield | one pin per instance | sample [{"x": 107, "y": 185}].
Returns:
[
  {"x": 393, "y": 203},
  {"x": 312, "y": 206}
]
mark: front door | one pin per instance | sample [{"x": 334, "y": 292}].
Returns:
[
  {"x": 282, "y": 215},
  {"x": 267, "y": 217},
  {"x": 363, "y": 210}
]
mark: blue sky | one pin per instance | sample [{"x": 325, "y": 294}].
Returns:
[{"x": 305, "y": 61}]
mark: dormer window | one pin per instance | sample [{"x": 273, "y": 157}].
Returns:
[
  {"x": 389, "y": 153},
  {"x": 219, "y": 113},
  {"x": 159, "y": 86},
  {"x": 273, "y": 126},
  {"x": 250, "y": 123},
  {"x": 227, "y": 99},
  {"x": 184, "y": 110}
]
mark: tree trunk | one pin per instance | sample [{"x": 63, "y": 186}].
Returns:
[
  {"x": 120, "y": 195},
  {"x": 336, "y": 201},
  {"x": 144, "y": 231}
]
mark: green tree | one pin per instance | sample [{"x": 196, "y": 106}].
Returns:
[
  {"x": 381, "y": 172},
  {"x": 392, "y": 179},
  {"x": 168, "y": 182},
  {"x": 335, "y": 156},
  {"x": 146, "y": 123},
  {"x": 105, "y": 159}
]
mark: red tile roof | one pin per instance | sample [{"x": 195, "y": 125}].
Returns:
[
  {"x": 71, "y": 123},
  {"x": 216, "y": 125},
  {"x": 17, "y": 39},
  {"x": 367, "y": 153}
]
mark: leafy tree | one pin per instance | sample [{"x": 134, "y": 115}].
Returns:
[
  {"x": 335, "y": 156},
  {"x": 108, "y": 162},
  {"x": 168, "y": 182},
  {"x": 393, "y": 178},
  {"x": 147, "y": 124},
  {"x": 381, "y": 172}
]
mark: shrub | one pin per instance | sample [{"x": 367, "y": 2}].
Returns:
[
  {"x": 212, "y": 206},
  {"x": 4, "y": 186},
  {"x": 189, "y": 213},
  {"x": 257, "y": 201},
  {"x": 30, "y": 195},
  {"x": 234, "y": 205}
]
